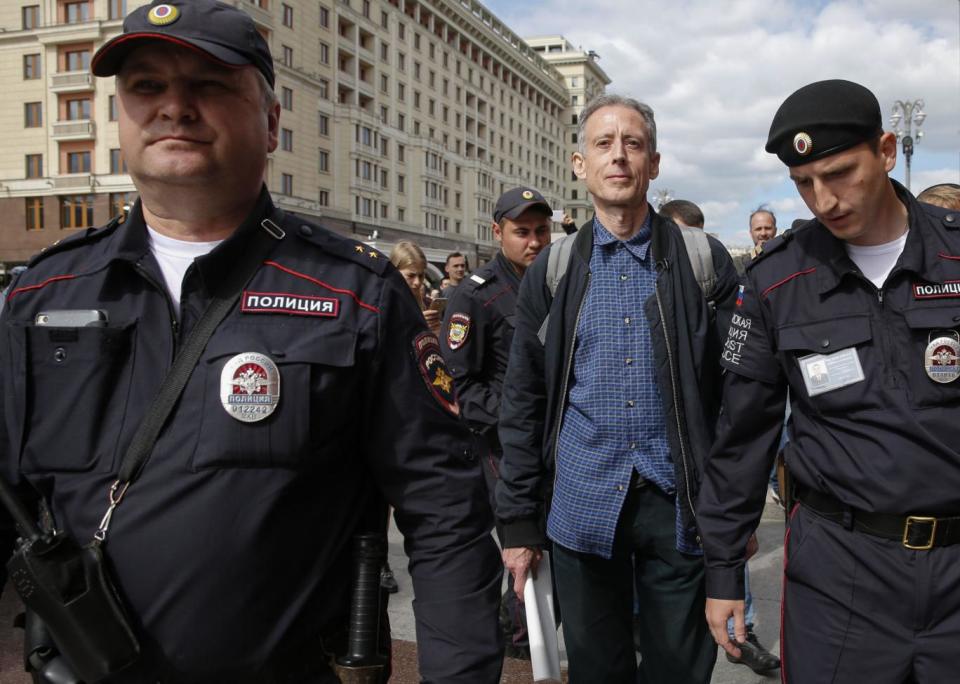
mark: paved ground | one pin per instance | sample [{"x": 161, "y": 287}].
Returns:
[{"x": 765, "y": 582}]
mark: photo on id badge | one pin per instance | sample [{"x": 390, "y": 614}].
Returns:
[{"x": 827, "y": 372}]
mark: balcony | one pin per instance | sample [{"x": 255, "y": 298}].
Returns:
[
  {"x": 73, "y": 181},
  {"x": 74, "y": 130},
  {"x": 71, "y": 81},
  {"x": 259, "y": 15}
]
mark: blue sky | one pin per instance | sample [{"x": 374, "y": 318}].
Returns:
[{"x": 715, "y": 72}]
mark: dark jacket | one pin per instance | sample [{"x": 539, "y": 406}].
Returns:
[
  {"x": 687, "y": 350},
  {"x": 481, "y": 310},
  {"x": 887, "y": 443},
  {"x": 233, "y": 549}
]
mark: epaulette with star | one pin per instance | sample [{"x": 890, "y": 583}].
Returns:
[
  {"x": 85, "y": 237},
  {"x": 345, "y": 248}
]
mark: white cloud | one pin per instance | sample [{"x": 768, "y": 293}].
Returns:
[{"x": 715, "y": 73}]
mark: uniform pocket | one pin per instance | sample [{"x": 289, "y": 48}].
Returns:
[
  {"x": 76, "y": 390},
  {"x": 926, "y": 326},
  {"x": 301, "y": 425},
  {"x": 801, "y": 340}
]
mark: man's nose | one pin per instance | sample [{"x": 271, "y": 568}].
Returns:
[{"x": 178, "y": 102}]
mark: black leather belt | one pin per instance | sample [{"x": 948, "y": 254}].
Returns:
[{"x": 917, "y": 532}]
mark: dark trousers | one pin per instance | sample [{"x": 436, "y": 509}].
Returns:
[
  {"x": 857, "y": 608},
  {"x": 596, "y": 601}
]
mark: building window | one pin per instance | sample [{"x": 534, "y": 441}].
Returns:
[
  {"x": 121, "y": 203},
  {"x": 287, "y": 15},
  {"x": 384, "y": 20},
  {"x": 287, "y": 57},
  {"x": 401, "y": 183},
  {"x": 401, "y": 214},
  {"x": 77, "y": 109},
  {"x": 31, "y": 17},
  {"x": 323, "y": 159},
  {"x": 384, "y": 83},
  {"x": 118, "y": 9},
  {"x": 76, "y": 60},
  {"x": 286, "y": 184},
  {"x": 286, "y": 98},
  {"x": 76, "y": 12},
  {"x": 34, "y": 166},
  {"x": 76, "y": 211},
  {"x": 366, "y": 8},
  {"x": 34, "y": 213},
  {"x": 324, "y": 17},
  {"x": 32, "y": 115},
  {"x": 401, "y": 31},
  {"x": 79, "y": 162},
  {"x": 286, "y": 140},
  {"x": 31, "y": 66},
  {"x": 401, "y": 61},
  {"x": 384, "y": 114},
  {"x": 324, "y": 53},
  {"x": 323, "y": 198},
  {"x": 117, "y": 163},
  {"x": 324, "y": 88},
  {"x": 324, "y": 125},
  {"x": 573, "y": 137},
  {"x": 401, "y": 92}
]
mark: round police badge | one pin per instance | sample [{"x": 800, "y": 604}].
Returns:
[
  {"x": 161, "y": 15},
  {"x": 940, "y": 358},
  {"x": 250, "y": 387},
  {"x": 803, "y": 144},
  {"x": 459, "y": 330},
  {"x": 527, "y": 195}
]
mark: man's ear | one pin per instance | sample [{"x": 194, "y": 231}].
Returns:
[{"x": 577, "y": 162}]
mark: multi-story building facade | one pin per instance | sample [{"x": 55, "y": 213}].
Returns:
[{"x": 401, "y": 119}]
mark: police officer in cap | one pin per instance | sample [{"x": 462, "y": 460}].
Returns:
[
  {"x": 856, "y": 313},
  {"x": 320, "y": 398},
  {"x": 476, "y": 336}
]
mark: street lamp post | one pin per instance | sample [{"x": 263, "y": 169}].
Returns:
[{"x": 909, "y": 113}]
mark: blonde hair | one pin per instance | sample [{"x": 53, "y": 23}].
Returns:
[
  {"x": 946, "y": 195},
  {"x": 406, "y": 254}
]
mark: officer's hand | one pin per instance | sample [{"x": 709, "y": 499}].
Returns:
[
  {"x": 432, "y": 317},
  {"x": 518, "y": 561},
  {"x": 718, "y": 610}
]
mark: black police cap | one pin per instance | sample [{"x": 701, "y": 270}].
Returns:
[
  {"x": 221, "y": 32},
  {"x": 514, "y": 202},
  {"x": 821, "y": 119}
]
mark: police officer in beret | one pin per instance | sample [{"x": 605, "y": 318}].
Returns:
[
  {"x": 232, "y": 550},
  {"x": 476, "y": 337},
  {"x": 857, "y": 313}
]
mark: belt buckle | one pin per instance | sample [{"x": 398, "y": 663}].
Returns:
[{"x": 919, "y": 520}]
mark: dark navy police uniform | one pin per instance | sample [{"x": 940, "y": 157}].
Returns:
[
  {"x": 476, "y": 336},
  {"x": 232, "y": 550},
  {"x": 875, "y": 439}
]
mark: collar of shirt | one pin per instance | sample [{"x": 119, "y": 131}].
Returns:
[{"x": 638, "y": 245}]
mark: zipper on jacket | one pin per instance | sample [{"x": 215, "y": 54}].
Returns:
[
  {"x": 677, "y": 405},
  {"x": 566, "y": 378},
  {"x": 174, "y": 324}
]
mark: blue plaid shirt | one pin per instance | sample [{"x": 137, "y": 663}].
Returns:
[{"x": 614, "y": 422}]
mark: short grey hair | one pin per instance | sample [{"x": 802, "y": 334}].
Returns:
[
  {"x": 763, "y": 209},
  {"x": 617, "y": 101},
  {"x": 268, "y": 95}
]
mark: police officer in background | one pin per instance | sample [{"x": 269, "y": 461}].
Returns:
[
  {"x": 856, "y": 313},
  {"x": 476, "y": 337},
  {"x": 232, "y": 550}
]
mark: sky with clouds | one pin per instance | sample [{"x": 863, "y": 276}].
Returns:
[{"x": 715, "y": 72}]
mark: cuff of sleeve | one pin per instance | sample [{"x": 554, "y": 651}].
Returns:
[
  {"x": 725, "y": 583},
  {"x": 523, "y": 532}
]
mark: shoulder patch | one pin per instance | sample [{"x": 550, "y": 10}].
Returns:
[
  {"x": 459, "y": 330},
  {"x": 76, "y": 240},
  {"x": 434, "y": 371},
  {"x": 345, "y": 248}
]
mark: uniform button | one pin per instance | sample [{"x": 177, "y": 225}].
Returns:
[
  {"x": 59, "y": 354},
  {"x": 627, "y": 320},
  {"x": 949, "y": 218},
  {"x": 825, "y": 343},
  {"x": 623, "y": 276},
  {"x": 306, "y": 230},
  {"x": 468, "y": 454},
  {"x": 629, "y": 403},
  {"x": 628, "y": 361},
  {"x": 619, "y": 488},
  {"x": 633, "y": 445}
]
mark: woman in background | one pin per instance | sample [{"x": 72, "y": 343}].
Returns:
[{"x": 412, "y": 264}]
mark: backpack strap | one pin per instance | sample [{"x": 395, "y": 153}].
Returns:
[
  {"x": 701, "y": 258},
  {"x": 557, "y": 261}
]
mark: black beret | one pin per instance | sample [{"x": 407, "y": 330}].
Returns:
[
  {"x": 821, "y": 119},
  {"x": 220, "y": 32}
]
